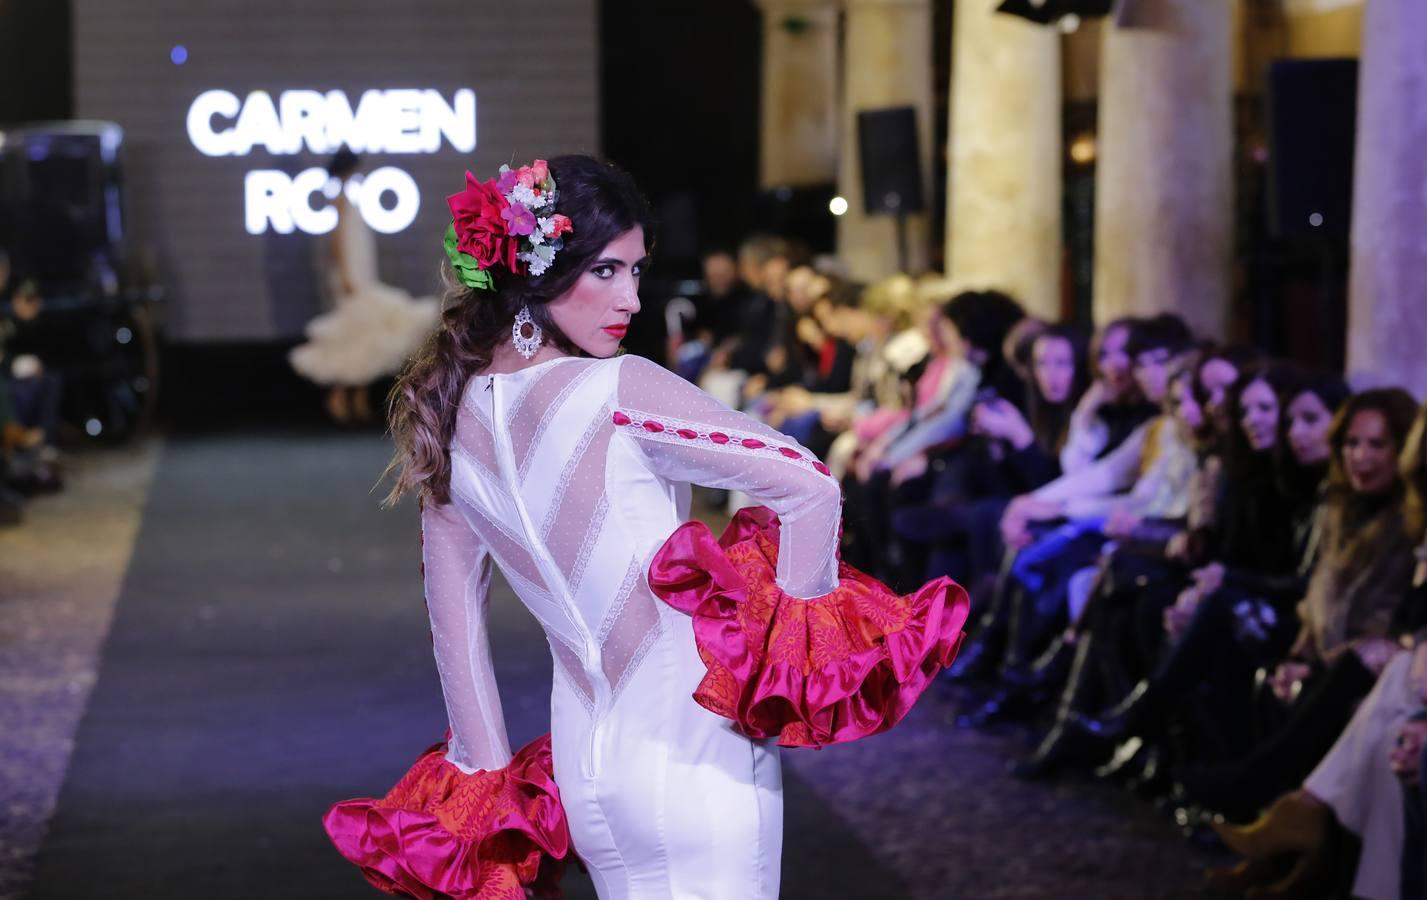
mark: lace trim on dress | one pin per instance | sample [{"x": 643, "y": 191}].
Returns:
[
  {"x": 668, "y": 430},
  {"x": 587, "y": 546},
  {"x": 562, "y": 487},
  {"x": 507, "y": 549},
  {"x": 634, "y": 613},
  {"x": 567, "y": 663},
  {"x": 476, "y": 462},
  {"x": 549, "y": 415},
  {"x": 621, "y": 598},
  {"x": 638, "y": 657}
]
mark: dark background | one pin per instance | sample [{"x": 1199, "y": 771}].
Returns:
[{"x": 679, "y": 108}]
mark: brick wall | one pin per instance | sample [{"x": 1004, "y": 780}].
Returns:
[{"x": 533, "y": 69}]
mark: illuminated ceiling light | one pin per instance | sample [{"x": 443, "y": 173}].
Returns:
[
  {"x": 1316, "y": 220},
  {"x": 837, "y": 205},
  {"x": 178, "y": 55},
  {"x": 1083, "y": 149},
  {"x": 1070, "y": 24}
]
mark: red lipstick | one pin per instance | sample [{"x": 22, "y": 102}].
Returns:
[{"x": 616, "y": 330}]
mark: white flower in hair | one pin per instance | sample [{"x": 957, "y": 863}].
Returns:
[
  {"x": 524, "y": 196},
  {"x": 537, "y": 263}
]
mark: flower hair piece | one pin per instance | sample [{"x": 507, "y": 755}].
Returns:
[{"x": 508, "y": 222}]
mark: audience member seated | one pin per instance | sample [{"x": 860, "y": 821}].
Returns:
[
  {"x": 894, "y": 470},
  {"x": 742, "y": 354},
  {"x": 30, "y": 396},
  {"x": 1008, "y": 453},
  {"x": 1058, "y": 529},
  {"x": 1204, "y": 555},
  {"x": 1350, "y": 618},
  {"x": 1355, "y": 786},
  {"x": 717, "y": 314},
  {"x": 1243, "y": 535}
]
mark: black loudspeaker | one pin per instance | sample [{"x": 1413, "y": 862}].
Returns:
[
  {"x": 60, "y": 210},
  {"x": 1312, "y": 123},
  {"x": 1045, "y": 12},
  {"x": 891, "y": 166}
]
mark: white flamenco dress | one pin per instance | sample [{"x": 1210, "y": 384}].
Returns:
[
  {"x": 570, "y": 476},
  {"x": 372, "y": 328}
]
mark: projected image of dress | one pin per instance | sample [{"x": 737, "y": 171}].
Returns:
[{"x": 372, "y": 327}]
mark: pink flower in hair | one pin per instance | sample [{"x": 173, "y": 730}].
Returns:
[
  {"x": 518, "y": 219},
  {"x": 507, "y": 181},
  {"x": 541, "y": 169},
  {"x": 526, "y": 176},
  {"x": 559, "y": 225}
]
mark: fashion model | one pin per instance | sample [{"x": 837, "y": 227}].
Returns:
[
  {"x": 682, "y": 661},
  {"x": 372, "y": 327}
]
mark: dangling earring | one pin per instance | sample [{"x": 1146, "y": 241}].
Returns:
[{"x": 525, "y": 346}]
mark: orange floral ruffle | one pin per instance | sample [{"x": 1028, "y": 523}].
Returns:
[
  {"x": 441, "y": 833},
  {"x": 819, "y": 671}
]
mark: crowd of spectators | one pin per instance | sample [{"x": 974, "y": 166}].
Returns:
[
  {"x": 29, "y": 401},
  {"x": 1198, "y": 569}
]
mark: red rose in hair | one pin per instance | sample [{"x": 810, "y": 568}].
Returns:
[{"x": 480, "y": 230}]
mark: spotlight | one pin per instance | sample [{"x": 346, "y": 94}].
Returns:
[{"x": 837, "y": 205}]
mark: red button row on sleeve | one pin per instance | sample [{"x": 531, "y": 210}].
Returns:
[{"x": 718, "y": 437}]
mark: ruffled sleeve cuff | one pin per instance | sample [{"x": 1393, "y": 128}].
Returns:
[
  {"x": 441, "y": 832},
  {"x": 824, "y": 670}
]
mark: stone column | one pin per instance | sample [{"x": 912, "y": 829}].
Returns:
[
  {"x": 1387, "y": 293},
  {"x": 1003, "y": 209},
  {"x": 887, "y": 61},
  {"x": 1164, "y": 181},
  {"x": 1323, "y": 28},
  {"x": 798, "y": 140}
]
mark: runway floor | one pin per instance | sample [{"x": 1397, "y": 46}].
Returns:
[{"x": 269, "y": 655}]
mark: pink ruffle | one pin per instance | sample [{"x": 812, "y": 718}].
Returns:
[
  {"x": 442, "y": 833},
  {"x": 824, "y": 670}
]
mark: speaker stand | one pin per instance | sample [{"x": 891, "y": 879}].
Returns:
[{"x": 903, "y": 255}]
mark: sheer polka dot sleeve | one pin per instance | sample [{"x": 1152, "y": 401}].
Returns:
[
  {"x": 686, "y": 435},
  {"x": 457, "y": 569}
]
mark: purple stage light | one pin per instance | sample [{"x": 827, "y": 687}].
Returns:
[{"x": 179, "y": 54}]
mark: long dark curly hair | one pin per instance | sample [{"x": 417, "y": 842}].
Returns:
[{"x": 603, "y": 203}]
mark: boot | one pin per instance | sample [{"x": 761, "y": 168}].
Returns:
[
  {"x": 1035, "y": 620},
  {"x": 981, "y": 655},
  {"x": 1123, "y": 763},
  {"x": 1296, "y": 823},
  {"x": 1005, "y": 704},
  {"x": 1247, "y": 874},
  {"x": 1130, "y": 717},
  {"x": 1309, "y": 879},
  {"x": 1061, "y": 746},
  {"x": 1150, "y": 776},
  {"x": 1049, "y": 670}
]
